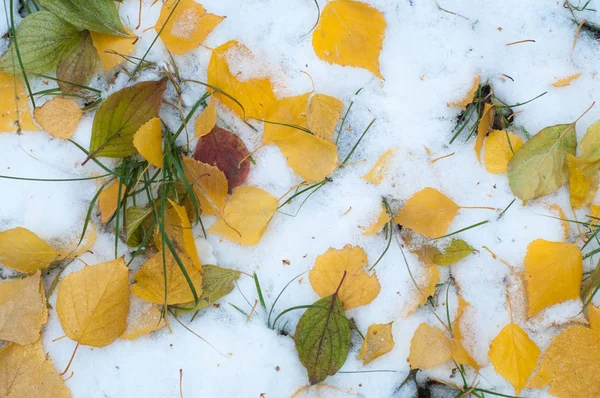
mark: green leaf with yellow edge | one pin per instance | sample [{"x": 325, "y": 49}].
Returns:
[
  {"x": 24, "y": 251},
  {"x": 456, "y": 250},
  {"x": 94, "y": 15},
  {"x": 217, "y": 282},
  {"x": 378, "y": 341}
]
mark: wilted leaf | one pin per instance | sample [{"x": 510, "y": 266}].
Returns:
[
  {"x": 112, "y": 50},
  {"x": 135, "y": 217},
  {"x": 226, "y": 151},
  {"x": 148, "y": 141},
  {"x": 206, "y": 120},
  {"x": 24, "y": 251},
  {"x": 514, "y": 355},
  {"x": 216, "y": 283},
  {"x": 59, "y": 117},
  {"x": 378, "y": 341},
  {"x": 14, "y": 112},
  {"x": 109, "y": 199},
  {"x": 322, "y": 338},
  {"x": 246, "y": 215},
  {"x": 209, "y": 183},
  {"x": 469, "y": 97},
  {"x": 379, "y": 169},
  {"x": 565, "y": 81},
  {"x": 94, "y": 15},
  {"x": 143, "y": 318},
  {"x": 484, "y": 126},
  {"x": 93, "y": 303},
  {"x": 553, "y": 273},
  {"x": 350, "y": 33},
  {"x": 77, "y": 65},
  {"x": 359, "y": 288},
  {"x": 456, "y": 250},
  {"x": 428, "y": 212},
  {"x": 381, "y": 221},
  {"x": 429, "y": 347},
  {"x": 499, "y": 151},
  {"x": 324, "y": 112},
  {"x": 540, "y": 166}
]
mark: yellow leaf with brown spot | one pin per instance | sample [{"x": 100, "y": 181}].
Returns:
[
  {"x": 565, "y": 81},
  {"x": 350, "y": 33},
  {"x": 148, "y": 142},
  {"x": 429, "y": 347},
  {"x": 428, "y": 212},
  {"x": 186, "y": 27},
  {"x": 553, "y": 271},
  {"x": 210, "y": 185},
  {"x": 143, "y": 318},
  {"x": 484, "y": 126},
  {"x": 206, "y": 120},
  {"x": 24, "y": 251},
  {"x": 500, "y": 147},
  {"x": 594, "y": 317},
  {"x": 379, "y": 169},
  {"x": 381, "y": 221},
  {"x": 467, "y": 99},
  {"x": 109, "y": 199},
  {"x": 359, "y": 288},
  {"x": 112, "y": 50},
  {"x": 14, "y": 112},
  {"x": 378, "y": 341},
  {"x": 246, "y": 215},
  {"x": 324, "y": 112},
  {"x": 93, "y": 303},
  {"x": 59, "y": 117}
]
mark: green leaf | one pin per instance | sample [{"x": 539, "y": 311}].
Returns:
[
  {"x": 456, "y": 250},
  {"x": 95, "y": 15},
  {"x": 323, "y": 338},
  {"x": 42, "y": 39},
  {"x": 78, "y": 65},
  {"x": 540, "y": 166},
  {"x": 134, "y": 226},
  {"x": 120, "y": 117},
  {"x": 216, "y": 283}
]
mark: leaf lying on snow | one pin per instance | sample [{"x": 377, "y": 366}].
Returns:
[
  {"x": 376, "y": 174},
  {"x": 178, "y": 228},
  {"x": 148, "y": 141},
  {"x": 565, "y": 81},
  {"x": 77, "y": 65},
  {"x": 14, "y": 113},
  {"x": 24, "y": 251},
  {"x": 209, "y": 183},
  {"x": 111, "y": 49},
  {"x": 468, "y": 98},
  {"x": 216, "y": 283},
  {"x": 143, "y": 318},
  {"x": 378, "y": 341},
  {"x": 109, "y": 199},
  {"x": 429, "y": 347},
  {"x": 500, "y": 147},
  {"x": 135, "y": 229},
  {"x": 484, "y": 126},
  {"x": 93, "y": 15},
  {"x": 205, "y": 122},
  {"x": 456, "y": 250},
  {"x": 324, "y": 112},
  {"x": 583, "y": 170},
  {"x": 381, "y": 221},
  {"x": 59, "y": 117}
]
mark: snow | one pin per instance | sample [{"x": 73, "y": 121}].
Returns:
[{"x": 429, "y": 58}]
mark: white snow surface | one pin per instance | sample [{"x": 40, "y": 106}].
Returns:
[{"x": 429, "y": 58}]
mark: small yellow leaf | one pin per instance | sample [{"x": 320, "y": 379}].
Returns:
[
  {"x": 484, "y": 126},
  {"x": 459, "y": 352},
  {"x": 112, "y": 49},
  {"x": 324, "y": 112},
  {"x": 179, "y": 229},
  {"x": 143, "y": 318},
  {"x": 566, "y": 80},
  {"x": 428, "y": 212},
  {"x": 378, "y": 341},
  {"x": 24, "y": 251},
  {"x": 469, "y": 97},
  {"x": 246, "y": 215},
  {"x": 563, "y": 220},
  {"x": 148, "y": 141},
  {"x": 206, "y": 120},
  {"x": 59, "y": 117},
  {"x": 93, "y": 303},
  {"x": 514, "y": 355},
  {"x": 22, "y": 309},
  {"x": 14, "y": 105},
  {"x": 426, "y": 285},
  {"x": 553, "y": 273},
  {"x": 594, "y": 317},
  {"x": 378, "y": 225},
  {"x": 429, "y": 347},
  {"x": 499, "y": 151},
  {"x": 108, "y": 200},
  {"x": 350, "y": 33},
  {"x": 359, "y": 288},
  {"x": 210, "y": 185},
  {"x": 583, "y": 181},
  {"x": 379, "y": 169},
  {"x": 186, "y": 27}
]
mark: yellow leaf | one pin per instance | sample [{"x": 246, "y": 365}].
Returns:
[
  {"x": 553, "y": 273},
  {"x": 143, "y": 318},
  {"x": 93, "y": 303},
  {"x": 28, "y": 373},
  {"x": 378, "y": 225},
  {"x": 206, "y": 120},
  {"x": 22, "y": 309},
  {"x": 291, "y": 111},
  {"x": 255, "y": 95},
  {"x": 426, "y": 282},
  {"x": 429, "y": 347},
  {"x": 187, "y": 27},
  {"x": 594, "y": 317},
  {"x": 379, "y": 169},
  {"x": 24, "y": 251},
  {"x": 563, "y": 220},
  {"x": 359, "y": 288},
  {"x": 108, "y": 200},
  {"x": 210, "y": 185},
  {"x": 566, "y": 80},
  {"x": 246, "y": 215},
  {"x": 179, "y": 229},
  {"x": 498, "y": 150},
  {"x": 378, "y": 341},
  {"x": 428, "y": 212},
  {"x": 459, "y": 352},
  {"x": 59, "y": 117},
  {"x": 514, "y": 355},
  {"x": 469, "y": 97},
  {"x": 111, "y": 49},
  {"x": 148, "y": 141},
  {"x": 583, "y": 181},
  {"x": 14, "y": 105},
  {"x": 595, "y": 212},
  {"x": 350, "y": 33},
  {"x": 485, "y": 124},
  {"x": 324, "y": 112}
]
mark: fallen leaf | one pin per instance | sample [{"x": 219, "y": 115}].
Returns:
[
  {"x": 456, "y": 250},
  {"x": 380, "y": 168},
  {"x": 426, "y": 286},
  {"x": 459, "y": 352},
  {"x": 469, "y": 97},
  {"x": 143, "y": 318},
  {"x": 429, "y": 347},
  {"x": 428, "y": 212},
  {"x": 499, "y": 151},
  {"x": 109, "y": 199},
  {"x": 378, "y": 341},
  {"x": 563, "y": 220},
  {"x": 484, "y": 126},
  {"x": 323, "y": 115},
  {"x": 178, "y": 228},
  {"x": 113, "y": 50},
  {"x": 286, "y": 116},
  {"x": 583, "y": 170},
  {"x": 24, "y": 251},
  {"x": 588, "y": 286},
  {"x": 209, "y": 183},
  {"x": 206, "y": 120},
  {"x": 148, "y": 141},
  {"x": 93, "y": 15},
  {"x": 565, "y": 81},
  {"x": 77, "y": 66},
  {"x": 594, "y": 317},
  {"x": 381, "y": 221},
  {"x": 14, "y": 114},
  {"x": 217, "y": 282},
  {"x": 59, "y": 117},
  {"x": 135, "y": 218}
]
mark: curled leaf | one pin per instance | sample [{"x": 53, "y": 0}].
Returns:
[
  {"x": 484, "y": 126},
  {"x": 136, "y": 217}
]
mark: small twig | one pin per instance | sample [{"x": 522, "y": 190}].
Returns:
[{"x": 521, "y": 41}]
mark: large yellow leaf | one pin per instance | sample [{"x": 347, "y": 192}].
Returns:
[
  {"x": 112, "y": 50},
  {"x": 324, "y": 112},
  {"x": 553, "y": 272},
  {"x": 350, "y": 33},
  {"x": 93, "y": 303},
  {"x": 429, "y": 347},
  {"x": 148, "y": 141},
  {"x": 24, "y": 251},
  {"x": 14, "y": 105},
  {"x": 484, "y": 126},
  {"x": 514, "y": 355},
  {"x": 376, "y": 174},
  {"x": 109, "y": 199},
  {"x": 247, "y": 213},
  {"x": 381, "y": 221},
  {"x": 468, "y": 98},
  {"x": 499, "y": 151},
  {"x": 428, "y": 212},
  {"x": 206, "y": 120},
  {"x": 143, "y": 318},
  {"x": 187, "y": 27},
  {"x": 255, "y": 95},
  {"x": 359, "y": 288},
  {"x": 59, "y": 117},
  {"x": 22, "y": 309},
  {"x": 210, "y": 185},
  {"x": 378, "y": 341},
  {"x": 26, "y": 372}
]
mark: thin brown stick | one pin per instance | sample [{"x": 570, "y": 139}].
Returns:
[
  {"x": 252, "y": 311},
  {"x": 521, "y": 41},
  {"x": 442, "y": 157},
  {"x": 576, "y": 36},
  {"x": 70, "y": 360}
]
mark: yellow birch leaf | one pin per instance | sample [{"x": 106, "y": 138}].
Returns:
[
  {"x": 379, "y": 169},
  {"x": 180, "y": 230},
  {"x": 14, "y": 113},
  {"x": 563, "y": 220},
  {"x": 583, "y": 181},
  {"x": 378, "y": 225},
  {"x": 108, "y": 200},
  {"x": 566, "y": 80},
  {"x": 428, "y": 212},
  {"x": 59, "y": 117},
  {"x": 255, "y": 95},
  {"x": 467, "y": 99},
  {"x": 594, "y": 317},
  {"x": 246, "y": 215},
  {"x": 291, "y": 111},
  {"x": 350, "y": 33},
  {"x": 359, "y": 288},
  {"x": 206, "y": 120},
  {"x": 498, "y": 150},
  {"x": 26, "y": 372},
  {"x": 93, "y": 303},
  {"x": 111, "y": 49},
  {"x": 429, "y": 347},
  {"x": 459, "y": 352},
  {"x": 186, "y": 27},
  {"x": 143, "y": 318},
  {"x": 324, "y": 112},
  {"x": 148, "y": 141},
  {"x": 150, "y": 280},
  {"x": 22, "y": 309},
  {"x": 210, "y": 185},
  {"x": 484, "y": 126},
  {"x": 553, "y": 273},
  {"x": 24, "y": 251},
  {"x": 378, "y": 341},
  {"x": 514, "y": 355},
  {"x": 427, "y": 283}
]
